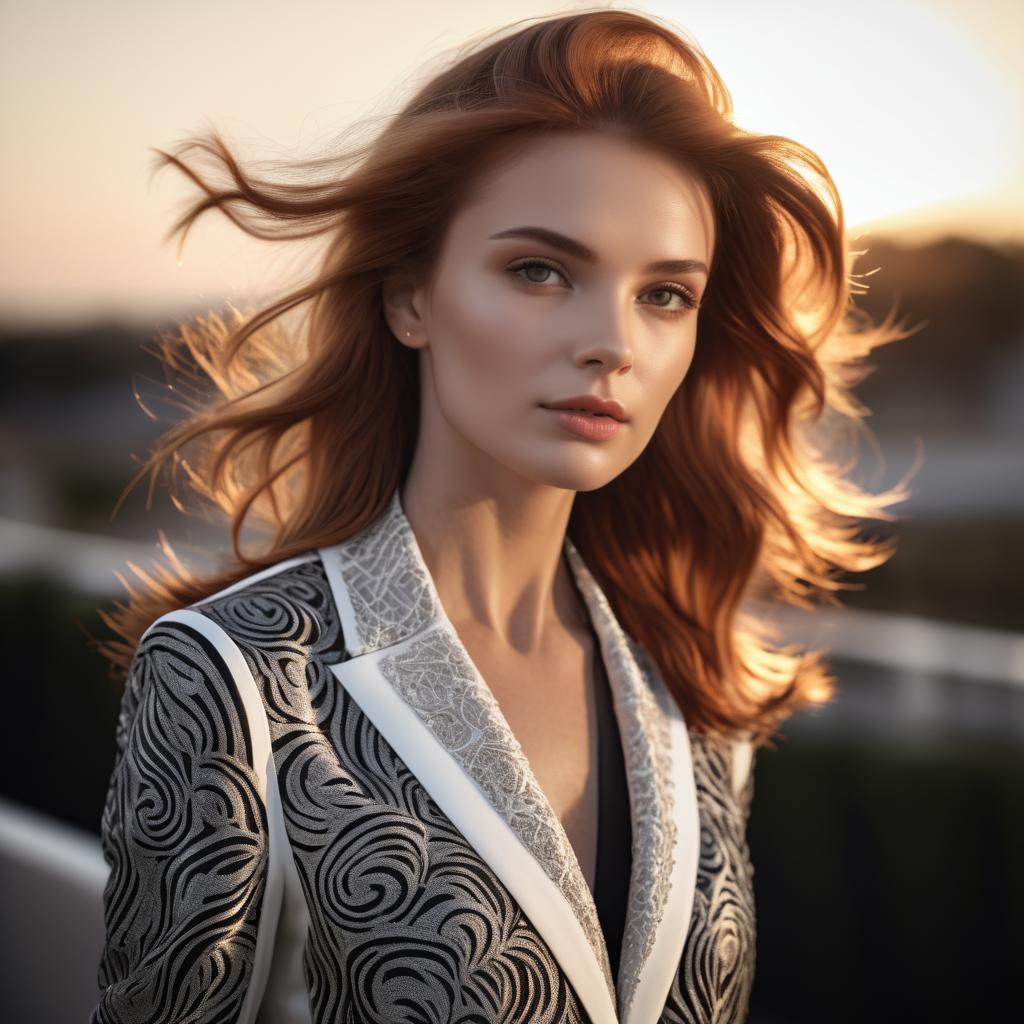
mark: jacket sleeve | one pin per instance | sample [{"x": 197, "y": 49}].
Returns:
[{"x": 184, "y": 832}]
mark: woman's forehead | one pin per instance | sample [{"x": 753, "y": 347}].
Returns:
[{"x": 609, "y": 193}]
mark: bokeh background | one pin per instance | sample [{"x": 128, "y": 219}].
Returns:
[{"x": 887, "y": 829}]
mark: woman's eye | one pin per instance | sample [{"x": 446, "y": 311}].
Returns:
[
  {"x": 537, "y": 265},
  {"x": 535, "y": 271},
  {"x": 689, "y": 300}
]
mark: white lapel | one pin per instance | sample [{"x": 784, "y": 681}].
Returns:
[
  {"x": 411, "y": 675},
  {"x": 663, "y": 805}
]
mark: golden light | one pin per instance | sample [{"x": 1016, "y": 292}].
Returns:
[{"x": 902, "y": 104}]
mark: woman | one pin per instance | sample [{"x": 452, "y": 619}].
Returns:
[{"x": 471, "y": 737}]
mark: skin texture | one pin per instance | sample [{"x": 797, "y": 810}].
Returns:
[{"x": 494, "y": 474}]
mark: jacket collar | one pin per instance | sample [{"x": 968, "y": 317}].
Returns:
[{"x": 412, "y": 676}]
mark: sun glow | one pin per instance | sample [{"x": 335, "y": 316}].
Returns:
[{"x": 903, "y": 105}]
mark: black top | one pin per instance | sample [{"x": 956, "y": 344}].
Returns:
[{"x": 614, "y": 826}]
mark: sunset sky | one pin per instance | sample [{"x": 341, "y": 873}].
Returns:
[{"x": 914, "y": 105}]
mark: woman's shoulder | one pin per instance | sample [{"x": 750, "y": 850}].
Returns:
[
  {"x": 291, "y": 599},
  {"x": 276, "y": 578},
  {"x": 278, "y": 615},
  {"x": 248, "y": 643},
  {"x": 288, "y": 601}
]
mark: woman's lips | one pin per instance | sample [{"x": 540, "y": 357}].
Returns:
[{"x": 592, "y": 426}]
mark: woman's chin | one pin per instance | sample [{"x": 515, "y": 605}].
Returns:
[{"x": 579, "y": 472}]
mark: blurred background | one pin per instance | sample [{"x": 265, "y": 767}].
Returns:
[{"x": 887, "y": 830}]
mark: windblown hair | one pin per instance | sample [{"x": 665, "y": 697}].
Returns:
[{"x": 312, "y": 426}]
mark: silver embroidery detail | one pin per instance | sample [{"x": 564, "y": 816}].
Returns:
[
  {"x": 391, "y": 598},
  {"x": 640, "y": 704}
]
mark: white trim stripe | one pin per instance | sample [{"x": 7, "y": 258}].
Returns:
[
  {"x": 662, "y": 966},
  {"x": 258, "y": 576},
  {"x": 263, "y": 764}
]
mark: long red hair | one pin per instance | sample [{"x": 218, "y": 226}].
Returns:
[{"x": 733, "y": 502}]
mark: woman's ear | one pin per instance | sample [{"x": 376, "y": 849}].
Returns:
[{"x": 400, "y": 296}]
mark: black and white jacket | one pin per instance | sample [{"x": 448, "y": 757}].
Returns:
[{"x": 318, "y": 813}]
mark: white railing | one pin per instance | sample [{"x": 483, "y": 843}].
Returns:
[
  {"x": 51, "y": 925},
  {"x": 909, "y": 643}
]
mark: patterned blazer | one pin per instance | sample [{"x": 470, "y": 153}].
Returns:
[{"x": 318, "y": 813}]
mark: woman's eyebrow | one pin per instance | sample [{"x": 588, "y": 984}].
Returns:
[{"x": 585, "y": 253}]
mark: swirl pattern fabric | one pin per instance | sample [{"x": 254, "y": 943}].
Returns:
[
  {"x": 184, "y": 831},
  {"x": 406, "y": 918},
  {"x": 716, "y": 974},
  {"x": 407, "y": 922}
]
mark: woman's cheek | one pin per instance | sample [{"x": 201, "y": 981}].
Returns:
[
  {"x": 672, "y": 370},
  {"x": 481, "y": 323}
]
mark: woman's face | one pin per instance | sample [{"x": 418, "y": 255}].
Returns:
[{"x": 514, "y": 319}]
